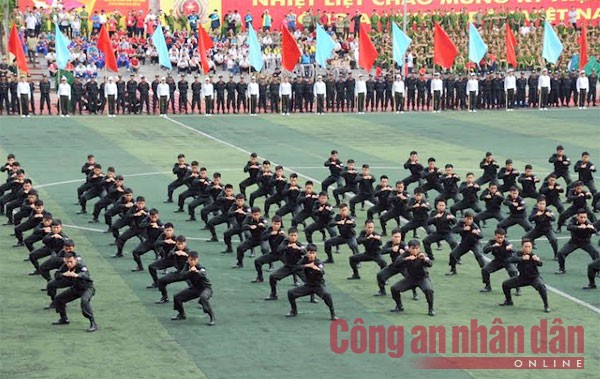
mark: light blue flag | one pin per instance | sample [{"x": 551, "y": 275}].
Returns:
[
  {"x": 325, "y": 46},
  {"x": 477, "y": 48},
  {"x": 63, "y": 54},
  {"x": 256, "y": 57},
  {"x": 158, "y": 40},
  {"x": 400, "y": 43},
  {"x": 552, "y": 45}
]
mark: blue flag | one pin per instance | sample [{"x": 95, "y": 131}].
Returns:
[
  {"x": 325, "y": 46},
  {"x": 552, "y": 45},
  {"x": 256, "y": 57},
  {"x": 158, "y": 40},
  {"x": 400, "y": 43},
  {"x": 63, "y": 54},
  {"x": 477, "y": 48}
]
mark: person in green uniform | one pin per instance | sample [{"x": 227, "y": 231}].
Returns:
[
  {"x": 84, "y": 16},
  {"x": 374, "y": 21}
]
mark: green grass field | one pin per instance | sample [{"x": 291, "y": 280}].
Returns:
[{"x": 252, "y": 338}]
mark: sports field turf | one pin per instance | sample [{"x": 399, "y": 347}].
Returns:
[{"x": 252, "y": 339}]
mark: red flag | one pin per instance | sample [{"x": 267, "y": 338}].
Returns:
[
  {"x": 583, "y": 48},
  {"x": 204, "y": 43},
  {"x": 511, "y": 42},
  {"x": 16, "y": 48},
  {"x": 367, "y": 54},
  {"x": 290, "y": 52},
  {"x": 444, "y": 50},
  {"x": 105, "y": 46}
]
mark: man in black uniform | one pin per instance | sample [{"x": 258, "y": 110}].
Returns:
[
  {"x": 364, "y": 183},
  {"x": 197, "y": 184},
  {"x": 443, "y": 222},
  {"x": 131, "y": 86},
  {"x": 521, "y": 86},
  {"x": 370, "y": 98},
  {"x": 44, "y": 94},
  {"x": 542, "y": 217},
  {"x": 154, "y": 86},
  {"x": 173, "y": 252},
  {"x": 340, "y": 94},
  {"x": 306, "y": 201},
  {"x": 382, "y": 191},
  {"x": 180, "y": 169},
  {"x": 95, "y": 183},
  {"x": 113, "y": 189},
  {"x": 396, "y": 207},
  {"x": 490, "y": 170},
  {"x": 586, "y": 169},
  {"x": 349, "y": 175},
  {"x": 411, "y": 86},
  {"x": 264, "y": 182},
  {"x": 322, "y": 213},
  {"x": 350, "y": 86},
  {"x": 134, "y": 219},
  {"x": 449, "y": 181},
  {"x": 313, "y": 272},
  {"x": 252, "y": 168},
  {"x": 290, "y": 195},
  {"x": 183, "y": 87},
  {"x": 415, "y": 168},
  {"x": 122, "y": 94},
  {"x": 335, "y": 167},
  {"x": 209, "y": 193},
  {"x": 395, "y": 248},
  {"x": 347, "y": 235},
  {"x": 120, "y": 207},
  {"x": 4, "y": 98},
  {"x": 172, "y": 87},
  {"x": 417, "y": 275},
  {"x": 591, "y": 96},
  {"x": 419, "y": 207},
  {"x": 82, "y": 288},
  {"x": 502, "y": 250},
  {"x": 561, "y": 165},
  {"x": 421, "y": 88},
  {"x": 34, "y": 219},
  {"x": 278, "y": 183},
  {"x": 517, "y": 211},
  {"x": 371, "y": 240},
  {"x": 254, "y": 225},
  {"x": 199, "y": 287},
  {"x": 527, "y": 265},
  {"x": 470, "y": 235},
  {"x": 176, "y": 258},
  {"x": 219, "y": 88},
  {"x": 329, "y": 93},
  {"x": 77, "y": 95},
  {"x": 468, "y": 190},
  {"x": 578, "y": 198},
  {"x": 53, "y": 244},
  {"x": 271, "y": 240},
  {"x": 143, "y": 88},
  {"x": 581, "y": 230},
  {"x": 196, "y": 95},
  {"x": 508, "y": 174},
  {"x": 92, "y": 91},
  {"x": 431, "y": 177},
  {"x": 241, "y": 89},
  {"x": 274, "y": 85},
  {"x": 56, "y": 259},
  {"x": 151, "y": 228},
  {"x": 235, "y": 217},
  {"x": 593, "y": 270},
  {"x": 528, "y": 182},
  {"x": 262, "y": 95},
  {"x": 231, "y": 87},
  {"x": 291, "y": 252}
]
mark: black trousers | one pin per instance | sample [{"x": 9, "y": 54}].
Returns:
[
  {"x": 100, "y": 205},
  {"x": 192, "y": 293},
  {"x": 124, "y": 237},
  {"x": 172, "y": 187},
  {"x": 338, "y": 180},
  {"x": 52, "y": 263},
  {"x": 269, "y": 258},
  {"x": 488, "y": 214},
  {"x": 461, "y": 250},
  {"x": 510, "y": 98},
  {"x": 437, "y": 237},
  {"x": 571, "y": 246},
  {"x": 519, "y": 281},
  {"x": 494, "y": 266},
  {"x": 246, "y": 183},
  {"x": 282, "y": 273},
  {"x": 365, "y": 257},
  {"x": 309, "y": 289},
  {"x": 205, "y": 201},
  {"x": 141, "y": 249},
  {"x": 385, "y": 274},
  {"x": 248, "y": 244},
  {"x": 512, "y": 221},
  {"x": 273, "y": 199},
  {"x": 408, "y": 284},
  {"x": 285, "y": 103},
  {"x": 161, "y": 264},
  {"x": 318, "y": 226},
  {"x": 45, "y": 99},
  {"x": 338, "y": 240},
  {"x": 163, "y": 282},
  {"x": 53, "y": 285},
  {"x": 549, "y": 234},
  {"x": 64, "y": 105},
  {"x": 65, "y": 297},
  {"x": 320, "y": 103}
]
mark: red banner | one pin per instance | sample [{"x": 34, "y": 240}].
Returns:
[
  {"x": 108, "y": 6},
  {"x": 556, "y": 11}
]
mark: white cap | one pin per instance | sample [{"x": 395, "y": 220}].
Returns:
[
  {"x": 437, "y": 74},
  {"x": 472, "y": 74},
  {"x": 582, "y": 72},
  {"x": 319, "y": 77},
  {"x": 110, "y": 78},
  {"x": 163, "y": 78},
  {"x": 63, "y": 78}
]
